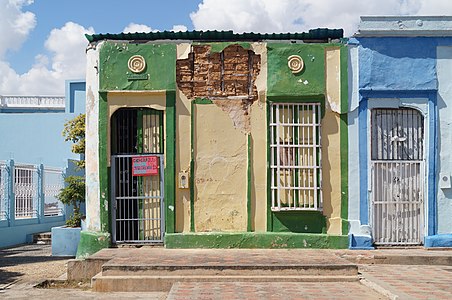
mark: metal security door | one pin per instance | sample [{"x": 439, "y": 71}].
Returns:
[
  {"x": 397, "y": 163},
  {"x": 137, "y": 176}
]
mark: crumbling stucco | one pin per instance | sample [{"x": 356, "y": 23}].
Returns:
[
  {"x": 227, "y": 78},
  {"x": 220, "y": 172}
]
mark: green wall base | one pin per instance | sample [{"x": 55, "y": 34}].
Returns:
[
  {"x": 250, "y": 240},
  {"x": 299, "y": 222},
  {"x": 91, "y": 242}
]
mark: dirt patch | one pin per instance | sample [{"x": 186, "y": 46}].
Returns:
[
  {"x": 64, "y": 284},
  {"x": 30, "y": 263}
]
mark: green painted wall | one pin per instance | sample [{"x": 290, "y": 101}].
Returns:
[
  {"x": 299, "y": 221},
  {"x": 251, "y": 240},
  {"x": 281, "y": 80},
  {"x": 160, "y": 66},
  {"x": 307, "y": 86},
  {"x": 104, "y": 170},
  {"x": 344, "y": 139}
]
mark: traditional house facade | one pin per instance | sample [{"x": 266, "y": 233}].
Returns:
[
  {"x": 399, "y": 132},
  {"x": 216, "y": 139}
]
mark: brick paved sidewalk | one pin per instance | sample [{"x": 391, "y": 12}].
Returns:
[
  {"x": 271, "y": 290},
  {"x": 412, "y": 281}
]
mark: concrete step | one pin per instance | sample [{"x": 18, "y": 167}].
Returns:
[
  {"x": 393, "y": 256},
  {"x": 148, "y": 283},
  {"x": 149, "y": 269},
  {"x": 114, "y": 269},
  {"x": 42, "y": 238}
]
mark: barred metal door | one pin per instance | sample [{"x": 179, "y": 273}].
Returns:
[
  {"x": 137, "y": 176},
  {"x": 397, "y": 163},
  {"x": 138, "y": 201}
]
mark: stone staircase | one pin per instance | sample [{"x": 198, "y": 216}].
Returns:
[
  {"x": 42, "y": 238},
  {"x": 157, "y": 269}
]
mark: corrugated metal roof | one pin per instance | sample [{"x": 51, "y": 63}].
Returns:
[{"x": 313, "y": 34}]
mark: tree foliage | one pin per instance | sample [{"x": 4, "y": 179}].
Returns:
[
  {"x": 74, "y": 131},
  {"x": 74, "y": 191}
]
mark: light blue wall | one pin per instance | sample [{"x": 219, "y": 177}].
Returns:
[
  {"x": 35, "y": 137},
  {"x": 397, "y": 64}
]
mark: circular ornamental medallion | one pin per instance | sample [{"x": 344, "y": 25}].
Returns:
[
  {"x": 295, "y": 63},
  {"x": 136, "y": 64}
]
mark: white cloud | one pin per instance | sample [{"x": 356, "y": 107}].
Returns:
[
  {"x": 15, "y": 25},
  {"x": 177, "y": 28},
  {"x": 66, "y": 60},
  {"x": 132, "y": 28},
  {"x": 302, "y": 15}
]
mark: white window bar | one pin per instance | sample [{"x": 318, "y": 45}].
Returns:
[
  {"x": 25, "y": 191},
  {"x": 3, "y": 191},
  {"x": 53, "y": 183},
  {"x": 295, "y": 156}
]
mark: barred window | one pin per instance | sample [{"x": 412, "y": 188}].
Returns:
[
  {"x": 295, "y": 146},
  {"x": 25, "y": 191},
  {"x": 3, "y": 191}
]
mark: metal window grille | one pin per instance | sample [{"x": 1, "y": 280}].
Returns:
[
  {"x": 25, "y": 191},
  {"x": 3, "y": 191},
  {"x": 295, "y": 146},
  {"x": 397, "y": 162},
  {"x": 53, "y": 183}
]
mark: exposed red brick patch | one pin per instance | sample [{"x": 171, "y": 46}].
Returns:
[{"x": 228, "y": 75}]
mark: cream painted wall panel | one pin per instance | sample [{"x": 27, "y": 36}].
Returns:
[
  {"x": 259, "y": 167},
  {"x": 183, "y": 156},
  {"x": 333, "y": 78},
  {"x": 183, "y": 149},
  {"x": 331, "y": 158},
  {"x": 259, "y": 146},
  {"x": 220, "y": 172}
]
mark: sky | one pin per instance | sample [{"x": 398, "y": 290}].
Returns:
[{"x": 42, "y": 42}]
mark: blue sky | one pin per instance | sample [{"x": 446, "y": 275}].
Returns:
[
  {"x": 100, "y": 15},
  {"x": 42, "y": 42}
]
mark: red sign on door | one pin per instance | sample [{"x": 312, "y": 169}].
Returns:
[{"x": 145, "y": 165}]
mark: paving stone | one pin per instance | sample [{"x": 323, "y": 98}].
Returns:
[
  {"x": 272, "y": 290},
  {"x": 412, "y": 281}
]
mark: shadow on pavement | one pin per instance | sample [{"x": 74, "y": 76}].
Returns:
[{"x": 26, "y": 254}]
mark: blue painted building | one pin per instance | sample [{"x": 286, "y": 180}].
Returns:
[
  {"x": 33, "y": 160},
  {"x": 400, "y": 132}
]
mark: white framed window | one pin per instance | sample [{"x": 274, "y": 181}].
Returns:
[{"x": 295, "y": 156}]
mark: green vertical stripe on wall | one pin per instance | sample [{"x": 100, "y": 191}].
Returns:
[
  {"x": 269, "y": 193},
  {"x": 170, "y": 168},
  {"x": 192, "y": 168},
  {"x": 104, "y": 182},
  {"x": 248, "y": 186},
  {"x": 344, "y": 138}
]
